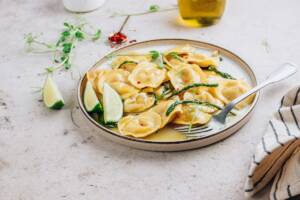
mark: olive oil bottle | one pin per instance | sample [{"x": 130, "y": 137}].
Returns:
[{"x": 200, "y": 13}]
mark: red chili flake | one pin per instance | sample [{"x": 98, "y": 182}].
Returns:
[
  {"x": 138, "y": 82},
  {"x": 117, "y": 38}
]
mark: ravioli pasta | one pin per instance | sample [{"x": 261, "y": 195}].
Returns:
[
  {"x": 118, "y": 79},
  {"x": 156, "y": 92}
]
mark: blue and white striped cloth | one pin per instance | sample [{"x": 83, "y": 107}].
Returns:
[{"x": 278, "y": 153}]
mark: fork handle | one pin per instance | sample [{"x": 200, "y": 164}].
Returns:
[{"x": 284, "y": 71}]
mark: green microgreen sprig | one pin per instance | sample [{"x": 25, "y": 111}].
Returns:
[{"x": 64, "y": 46}]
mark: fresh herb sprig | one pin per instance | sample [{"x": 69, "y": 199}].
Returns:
[
  {"x": 63, "y": 47},
  {"x": 222, "y": 74}
]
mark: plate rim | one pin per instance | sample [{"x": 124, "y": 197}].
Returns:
[{"x": 131, "y": 139}]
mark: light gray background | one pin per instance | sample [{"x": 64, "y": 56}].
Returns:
[{"x": 43, "y": 155}]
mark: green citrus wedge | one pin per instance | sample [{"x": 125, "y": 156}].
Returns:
[
  {"x": 52, "y": 96},
  {"x": 112, "y": 104},
  {"x": 90, "y": 99}
]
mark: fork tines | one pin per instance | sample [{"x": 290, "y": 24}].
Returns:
[{"x": 193, "y": 130}]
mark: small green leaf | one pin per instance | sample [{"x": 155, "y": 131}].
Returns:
[
  {"x": 68, "y": 25},
  {"x": 50, "y": 69},
  {"x": 29, "y": 38},
  {"x": 157, "y": 58},
  {"x": 67, "y": 47},
  {"x": 67, "y": 65},
  {"x": 154, "y": 54},
  {"x": 79, "y": 35},
  {"x": 62, "y": 58},
  {"x": 154, "y": 8},
  {"x": 97, "y": 35},
  {"x": 65, "y": 33}
]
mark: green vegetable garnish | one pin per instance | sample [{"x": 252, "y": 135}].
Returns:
[
  {"x": 175, "y": 55},
  {"x": 176, "y": 92},
  {"x": 63, "y": 47},
  {"x": 222, "y": 74},
  {"x": 157, "y": 58},
  {"x": 154, "y": 8},
  {"x": 127, "y": 62},
  {"x": 173, "y": 105},
  {"x": 154, "y": 54},
  {"x": 166, "y": 90}
]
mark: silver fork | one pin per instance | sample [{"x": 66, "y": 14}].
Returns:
[{"x": 218, "y": 121}]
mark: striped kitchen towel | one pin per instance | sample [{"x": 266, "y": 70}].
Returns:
[{"x": 278, "y": 153}]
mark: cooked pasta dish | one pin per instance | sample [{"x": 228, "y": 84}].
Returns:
[{"x": 180, "y": 86}]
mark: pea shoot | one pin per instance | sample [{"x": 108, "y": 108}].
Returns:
[
  {"x": 63, "y": 48},
  {"x": 154, "y": 8}
]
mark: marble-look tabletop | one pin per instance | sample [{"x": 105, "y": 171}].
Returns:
[{"x": 44, "y": 155}]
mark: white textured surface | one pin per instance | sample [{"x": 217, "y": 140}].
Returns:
[{"x": 44, "y": 156}]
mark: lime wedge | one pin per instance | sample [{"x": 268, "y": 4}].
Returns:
[
  {"x": 51, "y": 95},
  {"x": 112, "y": 103},
  {"x": 90, "y": 99}
]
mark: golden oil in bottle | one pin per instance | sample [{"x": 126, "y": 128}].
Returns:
[{"x": 200, "y": 13}]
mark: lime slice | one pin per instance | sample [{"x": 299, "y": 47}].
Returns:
[
  {"x": 51, "y": 95},
  {"x": 112, "y": 103},
  {"x": 90, "y": 99}
]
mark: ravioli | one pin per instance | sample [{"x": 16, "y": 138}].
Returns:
[
  {"x": 147, "y": 74},
  {"x": 92, "y": 76},
  {"x": 186, "y": 75},
  {"x": 203, "y": 96},
  {"x": 202, "y": 60},
  {"x": 229, "y": 90},
  {"x": 173, "y": 63},
  {"x": 140, "y": 125},
  {"x": 161, "y": 109},
  {"x": 192, "y": 114},
  {"x": 182, "y": 50},
  {"x": 128, "y": 63},
  {"x": 117, "y": 79},
  {"x": 138, "y": 102}
]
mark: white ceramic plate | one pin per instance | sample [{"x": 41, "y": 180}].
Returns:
[{"x": 231, "y": 63}]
